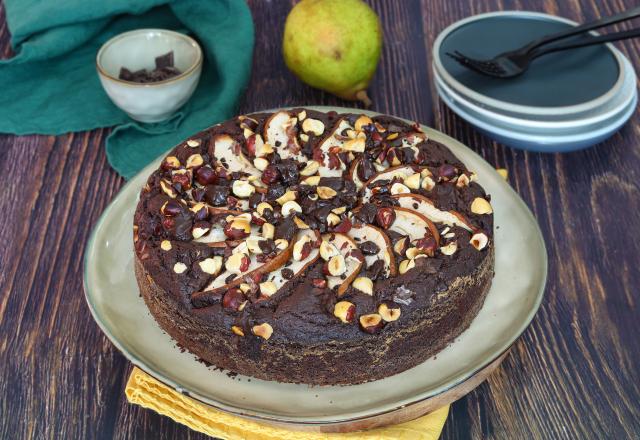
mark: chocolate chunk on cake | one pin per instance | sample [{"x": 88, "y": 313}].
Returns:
[{"x": 316, "y": 248}]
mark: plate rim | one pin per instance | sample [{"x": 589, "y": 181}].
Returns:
[{"x": 298, "y": 420}]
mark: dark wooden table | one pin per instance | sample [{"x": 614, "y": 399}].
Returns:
[{"x": 575, "y": 373}]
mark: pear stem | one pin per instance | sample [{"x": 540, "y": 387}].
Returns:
[{"x": 362, "y": 96}]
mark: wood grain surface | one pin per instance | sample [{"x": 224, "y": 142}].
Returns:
[{"x": 575, "y": 374}]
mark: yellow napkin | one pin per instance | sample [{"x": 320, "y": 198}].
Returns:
[{"x": 147, "y": 392}]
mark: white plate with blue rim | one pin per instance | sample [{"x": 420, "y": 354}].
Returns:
[{"x": 515, "y": 296}]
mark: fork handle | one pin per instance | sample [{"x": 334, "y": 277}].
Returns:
[
  {"x": 590, "y": 41},
  {"x": 606, "y": 21}
]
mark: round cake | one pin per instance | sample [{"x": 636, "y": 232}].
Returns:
[{"x": 309, "y": 247}]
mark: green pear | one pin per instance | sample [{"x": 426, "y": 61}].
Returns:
[{"x": 333, "y": 45}]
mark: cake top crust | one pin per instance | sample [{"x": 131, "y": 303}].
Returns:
[{"x": 310, "y": 227}]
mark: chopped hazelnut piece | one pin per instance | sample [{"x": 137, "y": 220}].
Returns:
[
  {"x": 450, "y": 248},
  {"x": 333, "y": 219},
  {"x": 399, "y": 188},
  {"x": 237, "y": 263},
  {"x": 267, "y": 288},
  {"x": 336, "y": 265},
  {"x": 361, "y": 122},
  {"x": 328, "y": 250},
  {"x": 193, "y": 143},
  {"x": 179, "y": 268},
  {"x": 194, "y": 161},
  {"x": 290, "y": 208},
  {"x": 302, "y": 247},
  {"x": 268, "y": 230},
  {"x": 387, "y": 313},
  {"x": 371, "y": 323},
  {"x": 165, "y": 245},
  {"x": 479, "y": 240},
  {"x": 364, "y": 285},
  {"x": 211, "y": 265},
  {"x": 405, "y": 266},
  {"x": 260, "y": 163},
  {"x": 243, "y": 189},
  {"x": 288, "y": 196},
  {"x": 263, "y": 330},
  {"x": 326, "y": 193},
  {"x": 313, "y": 126},
  {"x": 281, "y": 243},
  {"x": 168, "y": 189},
  {"x": 356, "y": 145},
  {"x": 345, "y": 311},
  {"x": 310, "y": 168},
  {"x": 237, "y": 330},
  {"x": 311, "y": 181},
  {"x": 413, "y": 181},
  {"x": 300, "y": 223},
  {"x": 481, "y": 206}
]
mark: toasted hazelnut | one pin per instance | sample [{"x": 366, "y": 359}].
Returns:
[
  {"x": 399, "y": 188},
  {"x": 262, "y": 206},
  {"x": 413, "y": 181},
  {"x": 340, "y": 210},
  {"x": 171, "y": 163},
  {"x": 302, "y": 248},
  {"x": 194, "y": 161},
  {"x": 193, "y": 143},
  {"x": 405, "y": 266},
  {"x": 345, "y": 311},
  {"x": 281, "y": 244},
  {"x": 336, "y": 265},
  {"x": 263, "y": 330},
  {"x": 426, "y": 172},
  {"x": 243, "y": 189},
  {"x": 179, "y": 268},
  {"x": 333, "y": 219},
  {"x": 363, "y": 284},
  {"x": 168, "y": 189},
  {"x": 412, "y": 252},
  {"x": 503, "y": 173},
  {"x": 481, "y": 206},
  {"x": 387, "y": 313},
  {"x": 361, "y": 122},
  {"x": 428, "y": 183},
  {"x": 165, "y": 245},
  {"x": 253, "y": 245},
  {"x": 290, "y": 208},
  {"x": 237, "y": 263},
  {"x": 310, "y": 168},
  {"x": 200, "y": 229},
  {"x": 237, "y": 330},
  {"x": 371, "y": 323},
  {"x": 289, "y": 196},
  {"x": 262, "y": 149},
  {"x": 245, "y": 287},
  {"x": 313, "y": 126},
  {"x": 356, "y": 145},
  {"x": 328, "y": 250},
  {"x": 326, "y": 193},
  {"x": 311, "y": 181},
  {"x": 479, "y": 240},
  {"x": 385, "y": 217},
  {"x": 268, "y": 230},
  {"x": 268, "y": 288},
  {"x": 379, "y": 127},
  {"x": 450, "y": 248},
  {"x": 304, "y": 137},
  {"x": 302, "y": 115},
  {"x": 260, "y": 163},
  {"x": 300, "y": 223},
  {"x": 400, "y": 247},
  {"x": 237, "y": 228},
  {"x": 211, "y": 265},
  {"x": 463, "y": 180}
]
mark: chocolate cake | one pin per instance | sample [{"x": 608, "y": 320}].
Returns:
[{"x": 310, "y": 247}]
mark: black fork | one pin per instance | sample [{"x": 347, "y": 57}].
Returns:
[{"x": 514, "y": 63}]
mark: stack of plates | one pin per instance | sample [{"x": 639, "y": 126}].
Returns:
[{"x": 565, "y": 101}]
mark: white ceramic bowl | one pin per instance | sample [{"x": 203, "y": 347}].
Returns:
[{"x": 149, "y": 102}]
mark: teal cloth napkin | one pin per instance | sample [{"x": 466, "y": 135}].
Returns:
[{"x": 51, "y": 85}]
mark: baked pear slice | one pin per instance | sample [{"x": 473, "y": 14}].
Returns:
[
  {"x": 364, "y": 233},
  {"x": 413, "y": 224},
  {"x": 343, "y": 260},
  {"x": 331, "y": 165},
  {"x": 426, "y": 207},
  {"x": 298, "y": 267},
  {"x": 228, "y": 152},
  {"x": 280, "y": 132}
]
